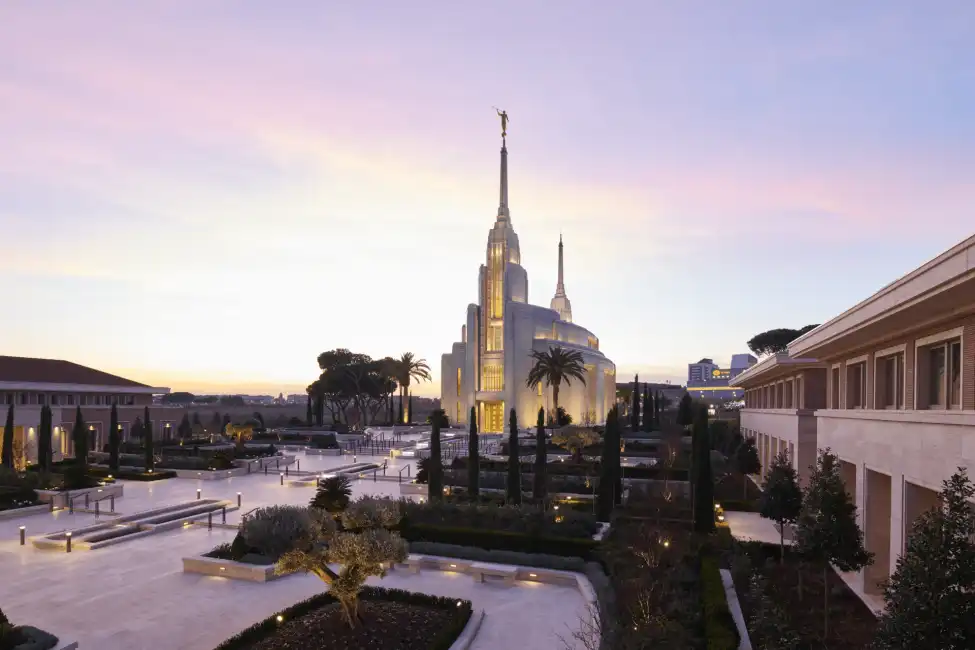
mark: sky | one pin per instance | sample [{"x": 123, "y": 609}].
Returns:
[{"x": 206, "y": 194}]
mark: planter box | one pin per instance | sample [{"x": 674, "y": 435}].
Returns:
[
  {"x": 206, "y": 474},
  {"x": 211, "y": 566},
  {"x": 61, "y": 498},
  {"x": 413, "y": 489},
  {"x": 311, "y": 451},
  {"x": 14, "y": 513}
]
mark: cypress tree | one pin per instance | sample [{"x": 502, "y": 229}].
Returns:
[
  {"x": 473, "y": 457},
  {"x": 658, "y": 405},
  {"x": 44, "y": 446},
  {"x": 435, "y": 466},
  {"x": 647, "y": 424},
  {"x": 685, "y": 411},
  {"x": 409, "y": 410},
  {"x": 609, "y": 467},
  {"x": 703, "y": 497},
  {"x": 635, "y": 409},
  {"x": 147, "y": 442},
  {"x": 399, "y": 418},
  {"x": 308, "y": 414},
  {"x": 185, "y": 429},
  {"x": 540, "y": 485},
  {"x": 7, "y": 457},
  {"x": 514, "y": 461},
  {"x": 650, "y": 414},
  {"x": 114, "y": 440},
  {"x": 79, "y": 436}
]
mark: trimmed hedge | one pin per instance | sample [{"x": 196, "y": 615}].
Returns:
[
  {"x": 499, "y": 540},
  {"x": 443, "y": 641},
  {"x": 719, "y": 626},
  {"x": 514, "y": 519},
  {"x": 129, "y": 475},
  {"x": 540, "y": 560}
]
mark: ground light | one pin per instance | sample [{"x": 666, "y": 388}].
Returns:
[
  {"x": 23, "y": 535},
  {"x": 238, "y": 499}
]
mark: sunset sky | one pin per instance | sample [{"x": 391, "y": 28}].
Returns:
[{"x": 206, "y": 194}]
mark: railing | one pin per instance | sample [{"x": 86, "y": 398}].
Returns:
[{"x": 407, "y": 468}]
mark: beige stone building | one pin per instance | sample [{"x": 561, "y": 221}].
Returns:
[
  {"x": 30, "y": 384},
  {"x": 889, "y": 386}
]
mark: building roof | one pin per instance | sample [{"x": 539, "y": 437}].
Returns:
[
  {"x": 773, "y": 366},
  {"x": 28, "y": 370}
]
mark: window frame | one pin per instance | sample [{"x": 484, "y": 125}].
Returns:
[{"x": 922, "y": 383}]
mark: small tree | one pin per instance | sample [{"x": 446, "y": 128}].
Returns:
[
  {"x": 685, "y": 411},
  {"x": 635, "y": 409},
  {"x": 147, "y": 446},
  {"x": 7, "y": 455},
  {"x": 435, "y": 469},
  {"x": 562, "y": 417},
  {"x": 827, "y": 532},
  {"x": 931, "y": 596},
  {"x": 609, "y": 467},
  {"x": 648, "y": 412},
  {"x": 514, "y": 461},
  {"x": 185, "y": 429},
  {"x": 79, "y": 435},
  {"x": 114, "y": 440},
  {"x": 781, "y": 499},
  {"x": 364, "y": 546},
  {"x": 575, "y": 440},
  {"x": 45, "y": 447},
  {"x": 473, "y": 457},
  {"x": 540, "y": 485},
  {"x": 703, "y": 496},
  {"x": 308, "y": 414},
  {"x": 333, "y": 494},
  {"x": 747, "y": 463},
  {"x": 399, "y": 417}
]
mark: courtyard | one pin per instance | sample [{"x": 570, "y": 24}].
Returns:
[{"x": 135, "y": 594}]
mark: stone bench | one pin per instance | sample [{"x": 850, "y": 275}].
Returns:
[
  {"x": 481, "y": 570},
  {"x": 414, "y": 562}
]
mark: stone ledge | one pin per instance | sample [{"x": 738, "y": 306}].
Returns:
[
  {"x": 735, "y": 608},
  {"x": 101, "y": 492},
  {"x": 211, "y": 566},
  {"x": 469, "y": 633},
  {"x": 14, "y": 513}
]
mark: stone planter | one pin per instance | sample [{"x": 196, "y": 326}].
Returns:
[
  {"x": 413, "y": 489},
  {"x": 207, "y": 475},
  {"x": 61, "y": 498},
  {"x": 323, "y": 452},
  {"x": 211, "y": 566}
]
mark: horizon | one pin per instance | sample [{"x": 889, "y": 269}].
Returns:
[{"x": 205, "y": 197}]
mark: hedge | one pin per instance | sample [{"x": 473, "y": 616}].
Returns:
[
  {"x": 539, "y": 560},
  {"x": 719, "y": 626},
  {"x": 443, "y": 641},
  {"x": 36, "y": 639},
  {"x": 499, "y": 540},
  {"x": 129, "y": 475}
]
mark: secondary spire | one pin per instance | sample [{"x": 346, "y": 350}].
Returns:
[
  {"x": 503, "y": 194},
  {"x": 560, "y": 302}
]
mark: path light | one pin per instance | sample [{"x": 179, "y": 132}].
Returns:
[
  {"x": 460, "y": 602},
  {"x": 717, "y": 506},
  {"x": 67, "y": 536},
  {"x": 23, "y": 535},
  {"x": 238, "y": 499},
  {"x": 282, "y": 478},
  {"x": 720, "y": 517},
  {"x": 198, "y": 492},
  {"x": 280, "y": 618}
]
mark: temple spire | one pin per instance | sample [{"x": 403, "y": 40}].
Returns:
[
  {"x": 560, "y": 302},
  {"x": 560, "y": 287},
  {"x": 503, "y": 198}
]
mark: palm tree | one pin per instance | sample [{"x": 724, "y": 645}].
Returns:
[
  {"x": 409, "y": 367},
  {"x": 554, "y": 366},
  {"x": 333, "y": 494}
]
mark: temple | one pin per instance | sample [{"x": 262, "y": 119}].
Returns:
[{"x": 488, "y": 367}]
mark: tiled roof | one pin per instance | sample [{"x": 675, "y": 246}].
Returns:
[{"x": 56, "y": 371}]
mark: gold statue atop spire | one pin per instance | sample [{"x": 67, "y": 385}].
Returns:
[{"x": 504, "y": 121}]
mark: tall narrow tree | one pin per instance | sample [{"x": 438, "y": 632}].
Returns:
[
  {"x": 635, "y": 409},
  {"x": 473, "y": 457},
  {"x": 647, "y": 425},
  {"x": 147, "y": 445},
  {"x": 609, "y": 467},
  {"x": 827, "y": 533},
  {"x": 685, "y": 411},
  {"x": 409, "y": 410},
  {"x": 514, "y": 461},
  {"x": 540, "y": 484},
  {"x": 185, "y": 429},
  {"x": 114, "y": 440},
  {"x": 435, "y": 466},
  {"x": 399, "y": 417},
  {"x": 79, "y": 436},
  {"x": 44, "y": 442},
  {"x": 650, "y": 413},
  {"x": 308, "y": 413},
  {"x": 7, "y": 456},
  {"x": 658, "y": 405},
  {"x": 781, "y": 499},
  {"x": 703, "y": 496}
]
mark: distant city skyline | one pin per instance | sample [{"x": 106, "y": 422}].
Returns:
[{"x": 206, "y": 196}]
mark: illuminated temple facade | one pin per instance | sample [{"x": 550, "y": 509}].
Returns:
[{"x": 488, "y": 367}]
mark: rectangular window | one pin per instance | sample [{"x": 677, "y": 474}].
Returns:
[
  {"x": 835, "y": 389},
  {"x": 889, "y": 382},
  {"x": 23, "y": 399},
  {"x": 937, "y": 362},
  {"x": 954, "y": 375},
  {"x": 458, "y": 382},
  {"x": 495, "y": 337},
  {"x": 70, "y": 399},
  {"x": 492, "y": 377},
  {"x": 856, "y": 386}
]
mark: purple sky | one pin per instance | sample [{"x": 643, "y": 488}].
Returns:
[{"x": 206, "y": 194}]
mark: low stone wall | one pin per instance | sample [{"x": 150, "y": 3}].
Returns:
[
  {"x": 61, "y": 498},
  {"x": 311, "y": 451},
  {"x": 207, "y": 474},
  {"x": 210, "y": 566},
  {"x": 413, "y": 489},
  {"x": 470, "y": 631},
  {"x": 14, "y": 513}
]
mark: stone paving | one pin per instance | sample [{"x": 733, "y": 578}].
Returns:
[{"x": 135, "y": 595}]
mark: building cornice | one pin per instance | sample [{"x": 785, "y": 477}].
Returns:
[
  {"x": 773, "y": 366},
  {"x": 44, "y": 387}
]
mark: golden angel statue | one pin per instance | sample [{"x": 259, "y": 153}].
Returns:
[{"x": 504, "y": 121}]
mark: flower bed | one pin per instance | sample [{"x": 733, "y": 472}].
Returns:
[
  {"x": 391, "y": 619},
  {"x": 851, "y": 623}
]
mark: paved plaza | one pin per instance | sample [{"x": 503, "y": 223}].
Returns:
[{"x": 135, "y": 595}]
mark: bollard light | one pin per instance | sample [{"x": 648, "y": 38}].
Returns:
[
  {"x": 238, "y": 499},
  {"x": 67, "y": 536},
  {"x": 23, "y": 535},
  {"x": 209, "y": 521},
  {"x": 298, "y": 464},
  {"x": 282, "y": 478},
  {"x": 198, "y": 493},
  {"x": 223, "y": 512}
]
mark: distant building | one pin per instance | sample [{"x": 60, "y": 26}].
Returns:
[
  {"x": 670, "y": 392},
  {"x": 706, "y": 380},
  {"x": 297, "y": 398}
]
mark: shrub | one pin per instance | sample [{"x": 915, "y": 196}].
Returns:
[
  {"x": 499, "y": 540},
  {"x": 132, "y": 475},
  {"x": 333, "y": 494},
  {"x": 517, "y": 519},
  {"x": 274, "y": 530},
  {"x": 719, "y": 627},
  {"x": 327, "y": 441}
]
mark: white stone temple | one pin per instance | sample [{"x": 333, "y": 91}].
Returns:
[{"x": 488, "y": 367}]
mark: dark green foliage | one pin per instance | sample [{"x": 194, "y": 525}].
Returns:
[
  {"x": 746, "y": 459},
  {"x": 252, "y": 636},
  {"x": 719, "y": 626},
  {"x": 441, "y": 417},
  {"x": 44, "y": 440},
  {"x": 399, "y": 417},
  {"x": 658, "y": 406},
  {"x": 147, "y": 445},
  {"x": 185, "y": 429},
  {"x": 423, "y": 471},
  {"x": 685, "y": 410},
  {"x": 930, "y": 599},
  {"x": 79, "y": 435},
  {"x": 540, "y": 560},
  {"x": 528, "y": 520},
  {"x": 308, "y": 414},
  {"x": 827, "y": 532},
  {"x": 7, "y": 457},
  {"x": 435, "y": 468},
  {"x": 410, "y": 410},
  {"x": 555, "y": 366},
  {"x": 768, "y": 625},
  {"x": 540, "y": 484},
  {"x": 473, "y": 456},
  {"x": 781, "y": 499},
  {"x": 703, "y": 482},
  {"x": 609, "y": 467},
  {"x": 647, "y": 411},
  {"x": 513, "y": 491},
  {"x": 333, "y": 494},
  {"x": 499, "y": 540},
  {"x": 239, "y": 548},
  {"x": 635, "y": 408},
  {"x": 562, "y": 417},
  {"x": 216, "y": 423},
  {"x": 776, "y": 340},
  {"x": 114, "y": 440}
]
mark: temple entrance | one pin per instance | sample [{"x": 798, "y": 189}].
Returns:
[{"x": 492, "y": 417}]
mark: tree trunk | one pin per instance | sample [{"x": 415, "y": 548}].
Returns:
[
  {"x": 555, "y": 403},
  {"x": 825, "y": 603}
]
